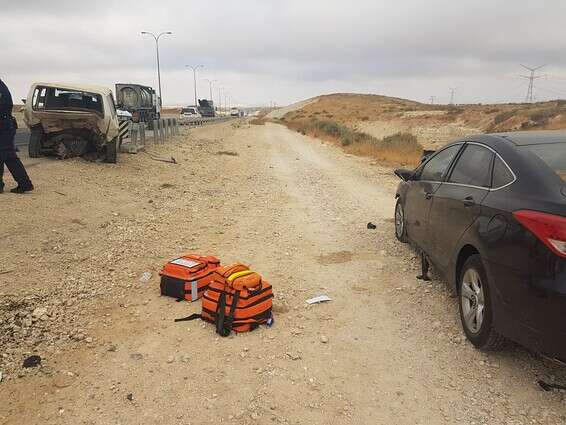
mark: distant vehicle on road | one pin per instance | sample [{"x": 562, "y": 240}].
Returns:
[
  {"x": 206, "y": 108},
  {"x": 490, "y": 213},
  {"x": 236, "y": 112},
  {"x": 141, "y": 101},
  {"x": 190, "y": 112},
  {"x": 71, "y": 120}
]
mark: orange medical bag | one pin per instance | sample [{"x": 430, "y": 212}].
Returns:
[
  {"x": 237, "y": 299},
  {"x": 187, "y": 277}
]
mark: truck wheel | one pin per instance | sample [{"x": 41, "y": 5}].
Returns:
[
  {"x": 112, "y": 151},
  {"x": 34, "y": 146}
]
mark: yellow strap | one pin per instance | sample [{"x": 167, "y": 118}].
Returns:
[{"x": 236, "y": 275}]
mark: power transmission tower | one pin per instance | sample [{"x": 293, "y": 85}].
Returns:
[
  {"x": 452, "y": 94},
  {"x": 432, "y": 99},
  {"x": 532, "y": 77}
]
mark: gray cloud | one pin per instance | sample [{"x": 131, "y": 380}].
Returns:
[{"x": 264, "y": 50}]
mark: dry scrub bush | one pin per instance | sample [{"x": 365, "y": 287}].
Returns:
[{"x": 400, "y": 148}]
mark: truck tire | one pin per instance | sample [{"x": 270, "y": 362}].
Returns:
[
  {"x": 34, "y": 146},
  {"x": 112, "y": 151}
]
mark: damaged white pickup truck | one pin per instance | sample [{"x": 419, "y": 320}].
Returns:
[{"x": 72, "y": 120}]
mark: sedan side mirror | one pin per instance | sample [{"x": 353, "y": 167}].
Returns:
[{"x": 404, "y": 174}]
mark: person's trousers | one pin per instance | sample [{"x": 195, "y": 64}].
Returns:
[{"x": 15, "y": 166}]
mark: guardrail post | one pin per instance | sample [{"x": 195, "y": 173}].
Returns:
[
  {"x": 167, "y": 128},
  {"x": 134, "y": 134},
  {"x": 155, "y": 127},
  {"x": 142, "y": 133},
  {"x": 175, "y": 127},
  {"x": 161, "y": 131}
]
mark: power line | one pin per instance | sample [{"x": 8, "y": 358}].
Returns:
[{"x": 532, "y": 77}]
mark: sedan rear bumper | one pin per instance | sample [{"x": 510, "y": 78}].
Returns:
[{"x": 530, "y": 306}]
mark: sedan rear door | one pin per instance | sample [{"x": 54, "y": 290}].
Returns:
[
  {"x": 422, "y": 187},
  {"x": 457, "y": 202}
]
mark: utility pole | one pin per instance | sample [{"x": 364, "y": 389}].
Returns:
[
  {"x": 210, "y": 82},
  {"x": 156, "y": 37},
  {"x": 532, "y": 77},
  {"x": 194, "y": 68},
  {"x": 432, "y": 99},
  {"x": 452, "y": 93}
]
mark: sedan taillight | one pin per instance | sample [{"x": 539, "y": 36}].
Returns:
[{"x": 549, "y": 228}]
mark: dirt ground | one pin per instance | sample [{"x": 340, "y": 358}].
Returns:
[{"x": 388, "y": 349}]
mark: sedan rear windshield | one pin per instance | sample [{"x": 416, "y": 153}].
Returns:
[{"x": 552, "y": 154}]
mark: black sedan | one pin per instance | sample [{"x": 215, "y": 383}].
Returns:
[{"x": 489, "y": 213}]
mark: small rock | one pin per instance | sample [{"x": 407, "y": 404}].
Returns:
[
  {"x": 32, "y": 361},
  {"x": 170, "y": 359},
  {"x": 1, "y": 376},
  {"x": 88, "y": 340},
  {"x": 323, "y": 339},
  {"x": 136, "y": 356},
  {"x": 39, "y": 311},
  {"x": 293, "y": 356},
  {"x": 130, "y": 396},
  {"x": 112, "y": 348}
]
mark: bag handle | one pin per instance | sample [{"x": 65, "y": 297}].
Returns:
[
  {"x": 188, "y": 318},
  {"x": 236, "y": 275}
]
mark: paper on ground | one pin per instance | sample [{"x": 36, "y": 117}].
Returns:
[{"x": 319, "y": 299}]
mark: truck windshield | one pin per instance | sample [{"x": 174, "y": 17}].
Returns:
[
  {"x": 552, "y": 154},
  {"x": 51, "y": 98}
]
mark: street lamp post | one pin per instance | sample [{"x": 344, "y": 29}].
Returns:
[
  {"x": 194, "y": 68},
  {"x": 210, "y": 82},
  {"x": 220, "y": 99},
  {"x": 156, "y": 37}
]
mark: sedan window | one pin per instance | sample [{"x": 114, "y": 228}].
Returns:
[
  {"x": 473, "y": 167},
  {"x": 502, "y": 175},
  {"x": 436, "y": 168}
]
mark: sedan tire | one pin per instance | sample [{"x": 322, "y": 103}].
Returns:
[
  {"x": 400, "y": 228},
  {"x": 475, "y": 304}
]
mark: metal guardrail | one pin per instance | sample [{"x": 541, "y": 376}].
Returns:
[
  {"x": 164, "y": 126},
  {"x": 195, "y": 122}
]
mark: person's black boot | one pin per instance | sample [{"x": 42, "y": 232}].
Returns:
[
  {"x": 1, "y": 187},
  {"x": 22, "y": 189}
]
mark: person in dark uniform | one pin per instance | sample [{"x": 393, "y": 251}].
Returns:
[{"x": 8, "y": 154}]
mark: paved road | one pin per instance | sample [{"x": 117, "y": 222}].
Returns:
[{"x": 22, "y": 137}]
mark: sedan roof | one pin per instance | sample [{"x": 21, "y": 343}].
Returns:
[{"x": 522, "y": 138}]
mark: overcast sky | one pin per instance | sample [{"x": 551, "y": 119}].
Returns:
[{"x": 289, "y": 50}]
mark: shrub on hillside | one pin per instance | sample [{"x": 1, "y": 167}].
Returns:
[
  {"x": 503, "y": 116},
  {"x": 401, "y": 140}
]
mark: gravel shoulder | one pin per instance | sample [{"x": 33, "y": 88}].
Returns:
[{"x": 387, "y": 349}]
